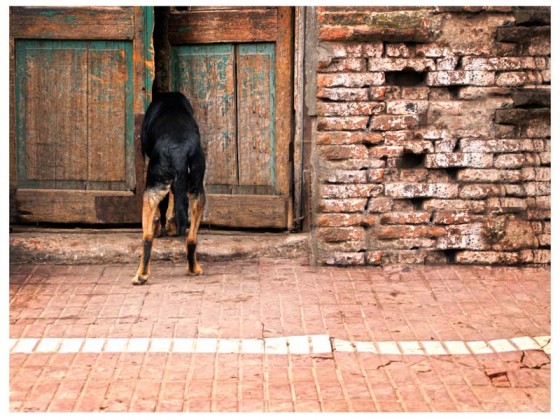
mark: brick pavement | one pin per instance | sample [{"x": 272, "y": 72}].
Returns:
[{"x": 278, "y": 335}]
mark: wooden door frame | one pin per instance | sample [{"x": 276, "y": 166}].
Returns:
[{"x": 82, "y": 206}]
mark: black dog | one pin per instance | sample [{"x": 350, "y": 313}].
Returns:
[{"x": 176, "y": 166}]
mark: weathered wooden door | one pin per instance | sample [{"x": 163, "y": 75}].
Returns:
[
  {"x": 235, "y": 66},
  {"x": 80, "y": 81}
]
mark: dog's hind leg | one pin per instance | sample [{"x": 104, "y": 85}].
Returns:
[
  {"x": 170, "y": 223},
  {"x": 151, "y": 200},
  {"x": 196, "y": 202}
]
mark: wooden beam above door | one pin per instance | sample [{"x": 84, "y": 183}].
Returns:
[{"x": 211, "y": 26}]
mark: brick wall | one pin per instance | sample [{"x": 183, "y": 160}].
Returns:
[{"x": 433, "y": 135}]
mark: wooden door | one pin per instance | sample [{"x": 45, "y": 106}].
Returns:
[
  {"x": 235, "y": 64},
  {"x": 79, "y": 84}
]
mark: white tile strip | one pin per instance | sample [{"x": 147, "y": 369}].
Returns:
[{"x": 300, "y": 344}]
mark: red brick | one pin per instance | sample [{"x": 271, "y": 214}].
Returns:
[
  {"x": 344, "y": 176},
  {"x": 407, "y": 107},
  {"x": 348, "y": 137},
  {"x": 499, "y": 63},
  {"x": 398, "y": 50},
  {"x": 409, "y": 231},
  {"x": 411, "y": 190},
  {"x": 453, "y": 217},
  {"x": 474, "y": 191},
  {"x": 448, "y": 160},
  {"x": 341, "y": 234},
  {"x": 345, "y": 64},
  {"x": 393, "y": 122},
  {"x": 406, "y": 218},
  {"x": 342, "y": 123},
  {"x": 345, "y": 205},
  {"x": 348, "y": 109},
  {"x": 353, "y": 80},
  {"x": 344, "y": 94},
  {"x": 342, "y": 152},
  {"x": 460, "y": 77},
  {"x": 338, "y": 219},
  {"x": 489, "y": 175},
  {"x": 399, "y": 64},
  {"x": 350, "y": 190},
  {"x": 487, "y": 257}
]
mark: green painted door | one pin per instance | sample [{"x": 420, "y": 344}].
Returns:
[
  {"x": 232, "y": 91},
  {"x": 80, "y": 78},
  {"x": 238, "y": 81}
]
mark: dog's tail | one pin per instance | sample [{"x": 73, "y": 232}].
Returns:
[{"x": 181, "y": 204}]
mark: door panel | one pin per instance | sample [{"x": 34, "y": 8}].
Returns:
[
  {"x": 74, "y": 115},
  {"x": 78, "y": 91},
  {"x": 256, "y": 91},
  {"x": 206, "y": 74},
  {"x": 243, "y": 106}
]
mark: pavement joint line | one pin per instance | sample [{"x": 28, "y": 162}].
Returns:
[{"x": 300, "y": 344}]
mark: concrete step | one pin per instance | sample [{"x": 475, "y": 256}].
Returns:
[{"x": 95, "y": 246}]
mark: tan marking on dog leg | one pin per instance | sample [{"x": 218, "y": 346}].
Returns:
[
  {"x": 197, "y": 209},
  {"x": 150, "y": 203},
  {"x": 170, "y": 224}
]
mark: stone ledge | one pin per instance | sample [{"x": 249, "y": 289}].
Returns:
[{"x": 91, "y": 246}]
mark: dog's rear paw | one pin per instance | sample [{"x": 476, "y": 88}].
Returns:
[
  {"x": 197, "y": 271},
  {"x": 139, "y": 280}
]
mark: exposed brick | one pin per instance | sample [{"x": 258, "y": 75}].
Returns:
[
  {"x": 406, "y": 218},
  {"x": 346, "y": 64},
  {"x": 349, "y": 109},
  {"x": 536, "y": 174},
  {"x": 487, "y": 257},
  {"x": 475, "y": 191},
  {"x": 377, "y": 93},
  {"x": 453, "y": 217},
  {"x": 350, "y": 191},
  {"x": 509, "y": 161},
  {"x": 449, "y": 160},
  {"x": 343, "y": 152},
  {"x": 341, "y": 234},
  {"x": 342, "y": 205},
  {"x": 374, "y": 257},
  {"x": 398, "y": 50},
  {"x": 460, "y": 77},
  {"x": 411, "y": 190},
  {"x": 476, "y": 206},
  {"x": 512, "y": 78},
  {"x": 409, "y": 231},
  {"x": 478, "y": 92},
  {"x": 499, "y": 63},
  {"x": 385, "y": 151},
  {"x": 496, "y": 146},
  {"x": 506, "y": 204},
  {"x": 489, "y": 175},
  {"x": 447, "y": 63},
  {"x": 342, "y": 176},
  {"x": 345, "y": 258},
  {"x": 350, "y": 79},
  {"x": 407, "y": 107},
  {"x": 338, "y": 219},
  {"x": 375, "y": 175},
  {"x": 393, "y": 122},
  {"x": 508, "y": 233},
  {"x": 343, "y": 94},
  {"x": 379, "y": 205},
  {"x": 537, "y": 188},
  {"x": 348, "y": 137},
  {"x": 342, "y": 123},
  {"x": 400, "y": 64},
  {"x": 402, "y": 26},
  {"x": 535, "y": 256},
  {"x": 464, "y": 236}
]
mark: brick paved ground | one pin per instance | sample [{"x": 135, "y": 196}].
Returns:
[{"x": 279, "y": 335}]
